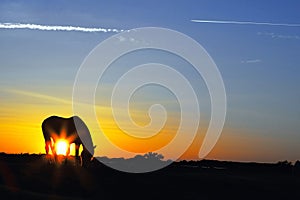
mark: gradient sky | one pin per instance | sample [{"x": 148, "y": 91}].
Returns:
[{"x": 259, "y": 65}]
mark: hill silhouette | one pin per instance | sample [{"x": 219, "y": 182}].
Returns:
[{"x": 31, "y": 176}]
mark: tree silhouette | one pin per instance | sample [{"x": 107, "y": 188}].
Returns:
[
  {"x": 284, "y": 163},
  {"x": 153, "y": 156},
  {"x": 297, "y": 164}
]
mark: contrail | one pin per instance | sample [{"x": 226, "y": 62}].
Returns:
[
  {"x": 55, "y": 28},
  {"x": 243, "y": 23}
]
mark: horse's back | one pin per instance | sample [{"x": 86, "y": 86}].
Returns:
[
  {"x": 58, "y": 125},
  {"x": 68, "y": 126},
  {"x": 53, "y": 121}
]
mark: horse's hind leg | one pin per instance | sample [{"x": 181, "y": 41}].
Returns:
[
  {"x": 53, "y": 149},
  {"x": 48, "y": 157},
  {"x": 47, "y": 146}
]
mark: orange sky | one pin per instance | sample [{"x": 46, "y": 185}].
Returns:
[
  {"x": 21, "y": 125},
  {"x": 21, "y": 133}
]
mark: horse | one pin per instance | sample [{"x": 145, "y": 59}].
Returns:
[{"x": 72, "y": 129}]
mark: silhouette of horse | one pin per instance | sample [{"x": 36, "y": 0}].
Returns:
[{"x": 72, "y": 129}]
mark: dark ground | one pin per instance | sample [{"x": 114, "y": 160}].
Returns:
[{"x": 31, "y": 177}]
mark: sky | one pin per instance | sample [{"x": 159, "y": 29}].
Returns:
[{"x": 255, "y": 45}]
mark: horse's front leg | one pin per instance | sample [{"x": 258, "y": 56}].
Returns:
[
  {"x": 68, "y": 150},
  {"x": 77, "y": 158}
]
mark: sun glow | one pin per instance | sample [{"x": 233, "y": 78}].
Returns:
[{"x": 61, "y": 147}]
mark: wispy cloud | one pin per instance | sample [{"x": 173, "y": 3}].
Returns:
[
  {"x": 56, "y": 28},
  {"x": 243, "y": 22},
  {"x": 251, "y": 61},
  {"x": 39, "y": 96},
  {"x": 279, "y": 36},
  {"x": 49, "y": 98},
  {"x": 132, "y": 40}
]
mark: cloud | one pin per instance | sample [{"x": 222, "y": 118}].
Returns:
[
  {"x": 278, "y": 36},
  {"x": 243, "y": 23},
  {"x": 251, "y": 61},
  {"x": 51, "y": 98},
  {"x": 38, "y": 95},
  {"x": 132, "y": 40},
  {"x": 121, "y": 38},
  {"x": 56, "y": 28}
]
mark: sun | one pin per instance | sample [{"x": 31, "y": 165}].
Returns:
[{"x": 61, "y": 147}]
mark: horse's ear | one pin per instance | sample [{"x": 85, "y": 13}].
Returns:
[{"x": 95, "y": 146}]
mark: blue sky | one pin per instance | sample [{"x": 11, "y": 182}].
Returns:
[{"x": 259, "y": 63}]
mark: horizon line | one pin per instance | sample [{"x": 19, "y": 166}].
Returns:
[{"x": 179, "y": 160}]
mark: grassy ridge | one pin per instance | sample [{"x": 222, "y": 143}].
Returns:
[{"x": 33, "y": 177}]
